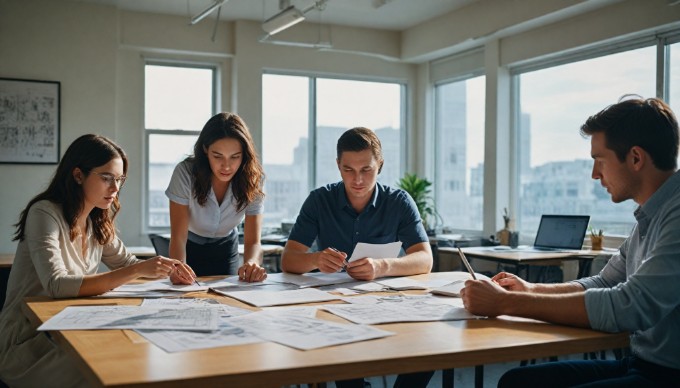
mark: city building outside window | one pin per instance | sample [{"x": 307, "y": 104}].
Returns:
[
  {"x": 302, "y": 119},
  {"x": 553, "y": 161},
  {"x": 459, "y": 168}
]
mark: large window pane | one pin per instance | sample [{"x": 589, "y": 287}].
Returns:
[
  {"x": 459, "y": 186},
  {"x": 674, "y": 84},
  {"x": 345, "y": 104},
  {"x": 553, "y": 159},
  {"x": 178, "y": 102},
  {"x": 165, "y": 151},
  {"x": 288, "y": 148},
  {"x": 285, "y": 129},
  {"x": 177, "y": 97}
]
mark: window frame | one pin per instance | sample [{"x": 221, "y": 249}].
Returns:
[
  {"x": 147, "y": 132},
  {"x": 311, "y": 122},
  {"x": 662, "y": 41},
  {"x": 464, "y": 76}
]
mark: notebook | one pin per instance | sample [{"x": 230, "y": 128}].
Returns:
[{"x": 561, "y": 232}]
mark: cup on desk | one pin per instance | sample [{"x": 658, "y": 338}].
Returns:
[
  {"x": 513, "y": 239},
  {"x": 596, "y": 242}
]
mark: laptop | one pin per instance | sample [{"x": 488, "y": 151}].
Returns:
[{"x": 561, "y": 232}]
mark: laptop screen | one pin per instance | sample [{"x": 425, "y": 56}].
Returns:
[{"x": 561, "y": 232}]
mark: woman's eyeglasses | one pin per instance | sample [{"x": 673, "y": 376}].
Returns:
[{"x": 110, "y": 179}]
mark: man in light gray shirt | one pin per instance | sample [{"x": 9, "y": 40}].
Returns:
[{"x": 634, "y": 144}]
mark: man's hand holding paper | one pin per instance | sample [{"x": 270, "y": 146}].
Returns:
[{"x": 367, "y": 261}]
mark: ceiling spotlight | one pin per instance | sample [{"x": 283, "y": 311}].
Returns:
[
  {"x": 282, "y": 20},
  {"x": 207, "y": 11}
]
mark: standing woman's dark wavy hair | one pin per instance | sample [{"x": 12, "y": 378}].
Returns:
[
  {"x": 86, "y": 153},
  {"x": 248, "y": 180}
]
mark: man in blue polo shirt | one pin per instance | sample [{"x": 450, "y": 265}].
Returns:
[{"x": 359, "y": 209}]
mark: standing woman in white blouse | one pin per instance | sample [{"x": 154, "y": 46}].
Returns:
[
  {"x": 64, "y": 233},
  {"x": 211, "y": 193}
]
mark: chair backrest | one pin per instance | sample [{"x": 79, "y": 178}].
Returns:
[{"x": 161, "y": 244}]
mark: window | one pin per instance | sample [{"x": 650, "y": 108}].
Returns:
[
  {"x": 285, "y": 152},
  {"x": 674, "y": 80},
  {"x": 554, "y": 164},
  {"x": 345, "y": 104},
  {"x": 302, "y": 119},
  {"x": 459, "y": 171},
  {"x": 178, "y": 101}
]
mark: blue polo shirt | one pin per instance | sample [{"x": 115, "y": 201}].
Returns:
[{"x": 391, "y": 215}]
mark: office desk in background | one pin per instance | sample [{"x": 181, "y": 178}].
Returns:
[
  {"x": 111, "y": 358},
  {"x": 142, "y": 252},
  {"x": 522, "y": 260},
  {"x": 6, "y": 261}
]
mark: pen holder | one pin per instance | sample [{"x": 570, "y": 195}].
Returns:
[
  {"x": 596, "y": 242},
  {"x": 513, "y": 239}
]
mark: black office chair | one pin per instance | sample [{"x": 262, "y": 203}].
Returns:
[{"x": 161, "y": 244}]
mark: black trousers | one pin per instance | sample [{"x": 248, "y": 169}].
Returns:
[
  {"x": 216, "y": 258},
  {"x": 628, "y": 372}
]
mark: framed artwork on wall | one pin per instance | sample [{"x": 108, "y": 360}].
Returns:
[{"x": 29, "y": 121}]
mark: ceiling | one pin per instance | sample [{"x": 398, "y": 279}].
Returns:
[{"x": 380, "y": 14}]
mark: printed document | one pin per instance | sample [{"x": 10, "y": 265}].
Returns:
[
  {"x": 276, "y": 298},
  {"x": 132, "y": 317},
  {"x": 398, "y": 308},
  {"x": 376, "y": 251},
  {"x": 305, "y": 333}
]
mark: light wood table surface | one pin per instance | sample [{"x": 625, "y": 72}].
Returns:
[{"x": 121, "y": 358}]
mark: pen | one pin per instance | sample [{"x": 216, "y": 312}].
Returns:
[
  {"x": 467, "y": 263},
  {"x": 337, "y": 251}
]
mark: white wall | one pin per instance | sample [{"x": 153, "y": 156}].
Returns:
[{"x": 97, "y": 53}]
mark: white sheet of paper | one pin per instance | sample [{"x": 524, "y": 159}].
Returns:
[
  {"x": 224, "y": 310},
  {"x": 141, "y": 294},
  {"x": 305, "y": 333},
  {"x": 404, "y": 283},
  {"x": 370, "y": 287},
  {"x": 132, "y": 317},
  {"x": 453, "y": 287},
  {"x": 276, "y": 298},
  {"x": 376, "y": 251},
  {"x": 399, "y": 309},
  {"x": 179, "y": 340},
  {"x": 311, "y": 279},
  {"x": 161, "y": 285},
  {"x": 234, "y": 281}
]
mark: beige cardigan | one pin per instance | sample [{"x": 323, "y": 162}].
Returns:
[{"x": 47, "y": 263}]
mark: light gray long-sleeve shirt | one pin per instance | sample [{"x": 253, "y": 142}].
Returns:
[{"x": 639, "y": 288}]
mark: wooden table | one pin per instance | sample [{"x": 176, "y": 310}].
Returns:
[
  {"x": 523, "y": 259},
  {"x": 111, "y": 358}
]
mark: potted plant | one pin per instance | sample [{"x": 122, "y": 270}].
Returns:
[{"x": 419, "y": 189}]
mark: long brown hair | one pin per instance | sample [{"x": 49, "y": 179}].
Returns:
[
  {"x": 86, "y": 153},
  {"x": 247, "y": 182}
]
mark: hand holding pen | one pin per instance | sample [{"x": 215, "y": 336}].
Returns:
[{"x": 331, "y": 260}]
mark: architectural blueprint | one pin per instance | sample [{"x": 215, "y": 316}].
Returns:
[
  {"x": 304, "y": 333},
  {"x": 132, "y": 317}
]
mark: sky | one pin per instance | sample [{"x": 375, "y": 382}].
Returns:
[{"x": 340, "y": 103}]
